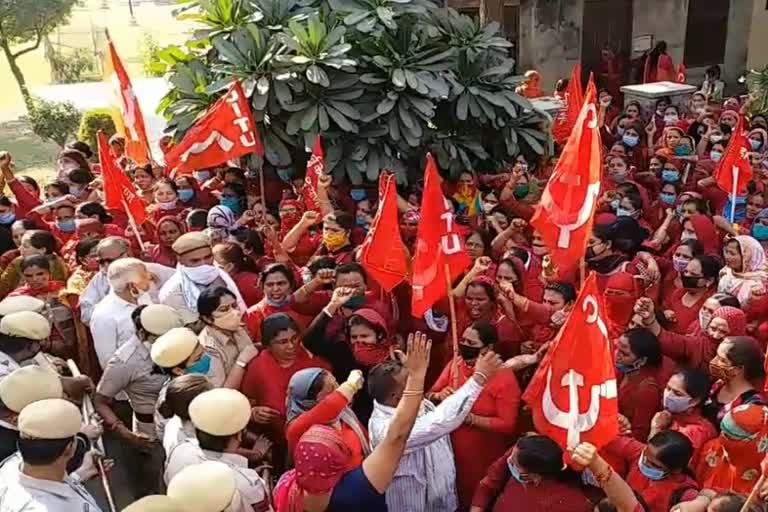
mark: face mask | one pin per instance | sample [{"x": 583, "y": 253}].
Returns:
[
  {"x": 465, "y": 189},
  {"x": 716, "y": 138},
  {"x": 715, "y": 156},
  {"x": 591, "y": 254},
  {"x": 370, "y": 354},
  {"x": 357, "y": 194},
  {"x": 143, "y": 298},
  {"x": 756, "y": 144},
  {"x": 625, "y": 368},
  {"x": 682, "y": 150},
  {"x": 623, "y": 212},
  {"x": 614, "y": 204},
  {"x": 676, "y": 403},
  {"x": 67, "y": 226},
  {"x": 202, "y": 176},
  {"x": 760, "y": 231},
  {"x": 186, "y": 194},
  {"x": 7, "y": 218},
  {"x": 170, "y": 205},
  {"x": 687, "y": 235},
  {"x": 558, "y": 317},
  {"x": 704, "y": 318},
  {"x": 201, "y": 366},
  {"x": 679, "y": 264},
  {"x": 630, "y": 140},
  {"x": 515, "y": 472},
  {"x": 232, "y": 203},
  {"x": 649, "y": 472},
  {"x": 690, "y": 282},
  {"x": 721, "y": 372},
  {"x": 229, "y": 321},
  {"x": 284, "y": 174},
  {"x": 521, "y": 191},
  {"x": 671, "y": 119},
  {"x": 279, "y": 303},
  {"x": 469, "y": 353},
  {"x": 667, "y": 198},
  {"x": 619, "y": 176},
  {"x": 670, "y": 176},
  {"x": 361, "y": 222},
  {"x": 75, "y": 190},
  {"x": 334, "y": 241},
  {"x": 355, "y": 302}
]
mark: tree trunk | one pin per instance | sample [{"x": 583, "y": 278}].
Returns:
[
  {"x": 17, "y": 74},
  {"x": 492, "y": 10}
]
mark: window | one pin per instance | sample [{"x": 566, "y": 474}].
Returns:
[{"x": 706, "y": 32}]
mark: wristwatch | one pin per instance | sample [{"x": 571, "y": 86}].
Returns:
[{"x": 241, "y": 364}]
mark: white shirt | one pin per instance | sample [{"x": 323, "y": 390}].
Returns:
[
  {"x": 98, "y": 288},
  {"x": 250, "y": 485},
  {"x": 425, "y": 480},
  {"x": 22, "y": 493},
  {"x": 111, "y": 326},
  {"x": 177, "y": 431}
]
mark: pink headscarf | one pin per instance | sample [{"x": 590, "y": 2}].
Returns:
[{"x": 737, "y": 320}]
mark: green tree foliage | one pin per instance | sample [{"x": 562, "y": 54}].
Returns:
[
  {"x": 23, "y": 23},
  {"x": 148, "y": 48},
  {"x": 383, "y": 82},
  {"x": 73, "y": 67},
  {"x": 757, "y": 82},
  {"x": 54, "y": 120},
  {"x": 94, "y": 120}
]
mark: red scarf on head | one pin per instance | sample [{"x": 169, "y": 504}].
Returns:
[
  {"x": 619, "y": 308},
  {"x": 371, "y": 354},
  {"x": 50, "y": 287}
]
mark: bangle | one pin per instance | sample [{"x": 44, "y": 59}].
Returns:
[
  {"x": 482, "y": 375},
  {"x": 605, "y": 476},
  {"x": 413, "y": 392},
  {"x": 327, "y": 312}
]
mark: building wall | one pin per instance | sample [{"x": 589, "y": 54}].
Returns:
[
  {"x": 663, "y": 19},
  {"x": 550, "y": 37},
  {"x": 757, "y": 48},
  {"x": 739, "y": 30}
]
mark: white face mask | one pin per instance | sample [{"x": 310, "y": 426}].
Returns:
[{"x": 704, "y": 318}]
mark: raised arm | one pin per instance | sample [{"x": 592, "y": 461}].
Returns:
[
  {"x": 291, "y": 240},
  {"x": 618, "y": 492}
]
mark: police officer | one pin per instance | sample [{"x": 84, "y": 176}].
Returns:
[
  {"x": 38, "y": 480},
  {"x": 155, "y": 503},
  {"x": 209, "y": 487}
]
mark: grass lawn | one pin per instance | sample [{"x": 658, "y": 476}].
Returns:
[{"x": 32, "y": 155}]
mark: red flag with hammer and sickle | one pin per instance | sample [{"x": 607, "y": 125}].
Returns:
[
  {"x": 119, "y": 192},
  {"x": 383, "y": 255},
  {"x": 573, "y": 394},
  {"x": 225, "y": 131},
  {"x": 565, "y": 213},
  {"x": 563, "y": 124},
  {"x": 733, "y": 170}
]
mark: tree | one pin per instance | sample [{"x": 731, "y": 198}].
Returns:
[
  {"x": 757, "y": 84},
  {"x": 54, "y": 120},
  {"x": 25, "y": 23},
  {"x": 383, "y": 82}
]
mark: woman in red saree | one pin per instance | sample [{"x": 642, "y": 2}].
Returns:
[
  {"x": 231, "y": 259},
  {"x": 658, "y": 65},
  {"x": 278, "y": 283},
  {"x": 488, "y": 429},
  {"x": 698, "y": 279},
  {"x": 169, "y": 228}
]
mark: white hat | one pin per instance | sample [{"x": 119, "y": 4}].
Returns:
[
  {"x": 155, "y": 503},
  {"x": 157, "y": 319},
  {"x": 53, "y": 418},
  {"x": 174, "y": 347},
  {"x": 26, "y": 324},
  {"x": 20, "y": 303},
  {"x": 29, "y": 384},
  {"x": 220, "y": 412},
  {"x": 206, "y": 487}
]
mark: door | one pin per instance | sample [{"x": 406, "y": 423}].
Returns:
[
  {"x": 607, "y": 26},
  {"x": 706, "y": 32}
]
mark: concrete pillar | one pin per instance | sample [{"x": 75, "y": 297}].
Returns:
[
  {"x": 739, "y": 25},
  {"x": 665, "y": 21}
]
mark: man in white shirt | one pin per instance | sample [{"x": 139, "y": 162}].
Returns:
[
  {"x": 112, "y": 249},
  {"x": 111, "y": 323},
  {"x": 425, "y": 480}
]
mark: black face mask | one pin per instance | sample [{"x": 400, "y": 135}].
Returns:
[
  {"x": 690, "y": 282},
  {"x": 469, "y": 353}
]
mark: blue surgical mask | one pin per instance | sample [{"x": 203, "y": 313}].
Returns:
[
  {"x": 277, "y": 304},
  {"x": 201, "y": 366},
  {"x": 630, "y": 140},
  {"x": 186, "y": 194},
  {"x": 715, "y": 156},
  {"x": 675, "y": 404},
  {"x": 670, "y": 176},
  {"x": 232, "y": 203},
  {"x": 202, "y": 176},
  {"x": 667, "y": 198},
  {"x": 626, "y": 368},
  {"x": 361, "y": 222},
  {"x": 614, "y": 204},
  {"x": 623, "y": 212},
  {"x": 756, "y": 144},
  {"x": 650, "y": 472},
  {"x": 7, "y": 218},
  {"x": 760, "y": 231},
  {"x": 681, "y": 150},
  {"x": 514, "y": 472},
  {"x": 358, "y": 194},
  {"x": 67, "y": 226},
  {"x": 284, "y": 174}
]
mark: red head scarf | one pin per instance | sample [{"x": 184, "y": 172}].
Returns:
[
  {"x": 174, "y": 220},
  {"x": 706, "y": 233},
  {"x": 371, "y": 354},
  {"x": 744, "y": 436},
  {"x": 88, "y": 227},
  {"x": 737, "y": 320},
  {"x": 621, "y": 292}
]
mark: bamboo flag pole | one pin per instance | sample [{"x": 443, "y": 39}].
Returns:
[
  {"x": 452, "y": 308},
  {"x": 134, "y": 227},
  {"x": 261, "y": 187},
  {"x": 753, "y": 494},
  {"x": 88, "y": 412}
]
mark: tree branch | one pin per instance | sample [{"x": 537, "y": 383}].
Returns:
[{"x": 31, "y": 48}]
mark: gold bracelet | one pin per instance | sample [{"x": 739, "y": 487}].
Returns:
[
  {"x": 413, "y": 392},
  {"x": 482, "y": 375}
]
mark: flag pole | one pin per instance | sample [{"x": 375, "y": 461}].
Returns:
[
  {"x": 735, "y": 179},
  {"x": 261, "y": 187},
  {"x": 134, "y": 227},
  {"x": 753, "y": 494},
  {"x": 452, "y": 309},
  {"x": 582, "y": 271}
]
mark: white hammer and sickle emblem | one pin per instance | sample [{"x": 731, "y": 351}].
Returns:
[{"x": 198, "y": 147}]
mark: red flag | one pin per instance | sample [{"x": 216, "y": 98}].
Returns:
[
  {"x": 573, "y": 394},
  {"x": 119, "y": 192},
  {"x": 438, "y": 244},
  {"x": 565, "y": 214},
  {"x": 680, "y": 77},
  {"x": 315, "y": 168},
  {"x": 383, "y": 255},
  {"x": 574, "y": 97},
  {"x": 733, "y": 168},
  {"x": 128, "y": 118},
  {"x": 226, "y": 131}
]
